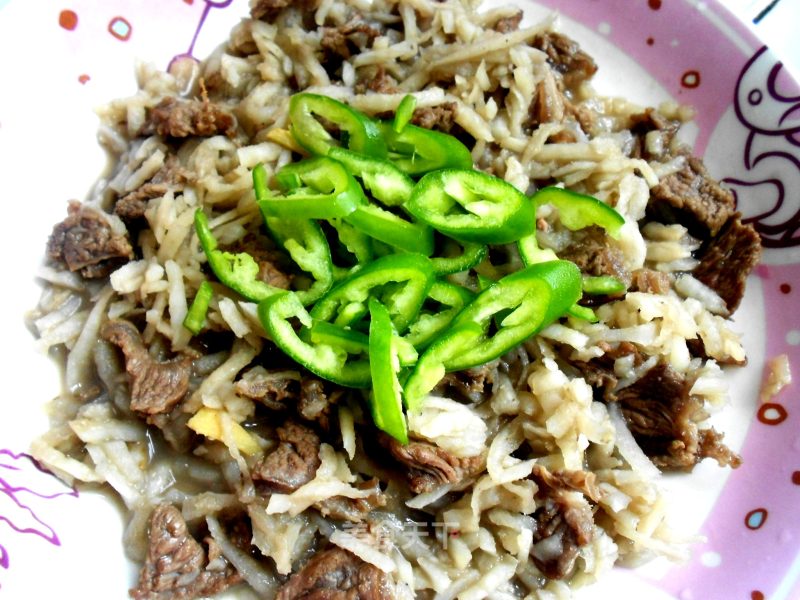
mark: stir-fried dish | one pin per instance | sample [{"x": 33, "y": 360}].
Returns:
[{"x": 382, "y": 300}]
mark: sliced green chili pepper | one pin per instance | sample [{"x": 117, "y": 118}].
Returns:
[
  {"x": 368, "y": 219},
  {"x": 305, "y": 242},
  {"x": 582, "y": 312},
  {"x": 336, "y": 361},
  {"x": 355, "y": 342},
  {"x": 471, "y": 255},
  {"x": 317, "y": 188},
  {"x": 404, "y": 113},
  {"x": 195, "y": 318},
  {"x": 416, "y": 150},
  {"x": 355, "y": 241},
  {"x": 531, "y": 253},
  {"x": 238, "y": 271},
  {"x": 472, "y": 206},
  {"x": 406, "y": 353},
  {"x": 484, "y": 282},
  {"x": 392, "y": 187},
  {"x": 532, "y": 299},
  {"x": 430, "y": 369},
  {"x": 387, "y": 184},
  {"x": 390, "y": 229},
  {"x": 352, "y": 341},
  {"x": 400, "y": 281},
  {"x": 430, "y": 324},
  {"x": 536, "y": 296},
  {"x": 575, "y": 211},
  {"x": 602, "y": 285},
  {"x": 363, "y": 134},
  {"x": 386, "y": 398}
]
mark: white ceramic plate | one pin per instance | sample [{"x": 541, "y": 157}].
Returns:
[{"x": 59, "y": 61}]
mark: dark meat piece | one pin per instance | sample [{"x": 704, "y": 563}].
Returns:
[
  {"x": 176, "y": 566},
  {"x": 562, "y": 137},
  {"x": 508, "y": 24},
  {"x": 271, "y": 274},
  {"x": 698, "y": 348},
  {"x": 156, "y": 387},
  {"x": 354, "y": 510},
  {"x": 240, "y": 533},
  {"x": 551, "y": 105},
  {"x": 548, "y": 104},
  {"x": 340, "y": 43},
  {"x": 650, "y": 282},
  {"x": 176, "y": 118},
  {"x": 313, "y": 397},
  {"x": 599, "y": 375},
  {"x": 430, "y": 466},
  {"x": 646, "y": 122},
  {"x": 133, "y": 205},
  {"x": 374, "y": 78},
  {"x": 561, "y": 530},
  {"x": 565, "y": 57},
  {"x": 727, "y": 261},
  {"x": 712, "y": 446},
  {"x": 293, "y": 463},
  {"x": 316, "y": 399},
  {"x": 270, "y": 388},
  {"x": 584, "y": 482},
  {"x": 591, "y": 252},
  {"x": 334, "y": 42},
  {"x": 599, "y": 372},
  {"x": 663, "y": 418},
  {"x": 692, "y": 198},
  {"x": 85, "y": 242},
  {"x": 585, "y": 116},
  {"x": 336, "y": 574},
  {"x": 564, "y": 521},
  {"x": 267, "y": 10},
  {"x": 349, "y": 39},
  {"x": 473, "y": 383},
  {"x": 441, "y": 117},
  {"x": 172, "y": 175}
]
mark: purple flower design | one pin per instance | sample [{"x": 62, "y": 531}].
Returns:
[
  {"x": 189, "y": 54},
  {"x": 767, "y": 188},
  {"x": 24, "y": 486}
]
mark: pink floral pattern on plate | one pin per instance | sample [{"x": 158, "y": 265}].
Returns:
[{"x": 24, "y": 485}]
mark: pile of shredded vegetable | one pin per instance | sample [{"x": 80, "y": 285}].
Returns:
[
  {"x": 383, "y": 300},
  {"x": 362, "y": 186}
]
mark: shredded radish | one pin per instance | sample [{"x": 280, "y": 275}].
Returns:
[{"x": 627, "y": 446}]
